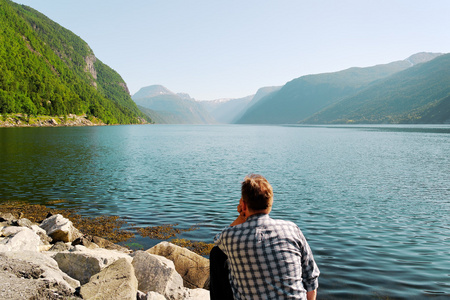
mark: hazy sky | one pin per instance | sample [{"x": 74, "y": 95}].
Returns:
[{"x": 228, "y": 49}]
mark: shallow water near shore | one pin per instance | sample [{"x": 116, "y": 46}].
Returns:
[{"x": 373, "y": 201}]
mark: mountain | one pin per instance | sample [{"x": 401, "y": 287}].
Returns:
[
  {"x": 260, "y": 94},
  {"x": 305, "y": 96},
  {"x": 171, "y": 108},
  {"x": 420, "y": 94},
  {"x": 228, "y": 110},
  {"x": 152, "y": 91},
  {"x": 225, "y": 110},
  {"x": 46, "y": 69}
]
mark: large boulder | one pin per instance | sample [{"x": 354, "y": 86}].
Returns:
[
  {"x": 81, "y": 263},
  {"x": 117, "y": 281},
  {"x": 192, "y": 267},
  {"x": 19, "y": 239},
  {"x": 60, "y": 229},
  {"x": 37, "y": 265},
  {"x": 45, "y": 239},
  {"x": 10, "y": 230},
  {"x": 157, "y": 274}
]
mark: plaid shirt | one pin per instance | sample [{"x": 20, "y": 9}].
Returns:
[{"x": 268, "y": 259}]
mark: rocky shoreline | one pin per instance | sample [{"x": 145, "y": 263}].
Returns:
[
  {"x": 52, "y": 259},
  {"x": 21, "y": 120}
]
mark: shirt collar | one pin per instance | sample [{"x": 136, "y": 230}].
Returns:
[{"x": 257, "y": 216}]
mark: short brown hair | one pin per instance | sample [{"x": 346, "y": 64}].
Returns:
[{"x": 257, "y": 192}]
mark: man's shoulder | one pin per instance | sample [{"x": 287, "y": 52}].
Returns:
[{"x": 282, "y": 222}]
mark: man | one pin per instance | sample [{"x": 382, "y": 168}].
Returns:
[{"x": 267, "y": 258}]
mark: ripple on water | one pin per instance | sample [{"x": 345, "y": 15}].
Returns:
[{"x": 373, "y": 201}]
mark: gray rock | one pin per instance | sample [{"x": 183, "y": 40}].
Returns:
[
  {"x": 198, "y": 294},
  {"x": 154, "y": 296},
  {"x": 7, "y": 217},
  {"x": 61, "y": 246},
  {"x": 60, "y": 229},
  {"x": 45, "y": 239},
  {"x": 117, "y": 281},
  {"x": 24, "y": 222},
  {"x": 24, "y": 239},
  {"x": 192, "y": 267},
  {"x": 84, "y": 242},
  {"x": 156, "y": 274},
  {"x": 81, "y": 263},
  {"x": 10, "y": 230},
  {"x": 37, "y": 265}
]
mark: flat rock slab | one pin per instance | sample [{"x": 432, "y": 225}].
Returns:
[
  {"x": 33, "y": 275},
  {"x": 81, "y": 263}
]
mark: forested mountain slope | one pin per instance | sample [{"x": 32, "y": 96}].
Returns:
[
  {"x": 46, "y": 69},
  {"x": 420, "y": 94},
  {"x": 305, "y": 96}
]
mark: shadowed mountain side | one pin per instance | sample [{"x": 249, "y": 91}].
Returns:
[
  {"x": 305, "y": 96},
  {"x": 260, "y": 94},
  {"x": 419, "y": 94}
]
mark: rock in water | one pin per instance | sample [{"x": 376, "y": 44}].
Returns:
[{"x": 117, "y": 281}]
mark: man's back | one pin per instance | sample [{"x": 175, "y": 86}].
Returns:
[{"x": 268, "y": 259}]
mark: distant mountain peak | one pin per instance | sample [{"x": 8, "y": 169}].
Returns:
[
  {"x": 422, "y": 57},
  {"x": 152, "y": 90}
]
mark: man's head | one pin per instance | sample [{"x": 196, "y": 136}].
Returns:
[{"x": 257, "y": 193}]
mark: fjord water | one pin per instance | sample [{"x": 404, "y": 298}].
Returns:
[{"x": 373, "y": 201}]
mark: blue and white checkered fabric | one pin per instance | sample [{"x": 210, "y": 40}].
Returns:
[{"x": 268, "y": 259}]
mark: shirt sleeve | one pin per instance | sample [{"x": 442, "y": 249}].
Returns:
[
  {"x": 310, "y": 271},
  {"x": 218, "y": 238}
]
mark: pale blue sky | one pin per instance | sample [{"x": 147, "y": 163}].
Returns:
[{"x": 228, "y": 49}]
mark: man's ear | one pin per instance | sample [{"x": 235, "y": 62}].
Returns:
[{"x": 244, "y": 207}]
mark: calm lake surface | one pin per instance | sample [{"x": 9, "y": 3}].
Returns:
[{"x": 373, "y": 201}]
